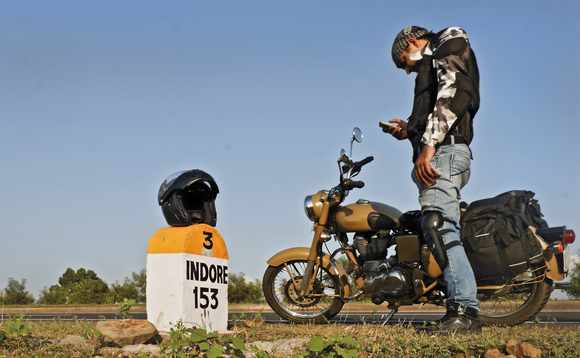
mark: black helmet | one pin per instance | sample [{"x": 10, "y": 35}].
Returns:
[{"x": 188, "y": 197}]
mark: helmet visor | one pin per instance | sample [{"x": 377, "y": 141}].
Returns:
[{"x": 167, "y": 183}]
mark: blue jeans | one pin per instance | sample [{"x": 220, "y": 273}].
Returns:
[{"x": 454, "y": 162}]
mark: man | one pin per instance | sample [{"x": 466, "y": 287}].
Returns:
[{"x": 440, "y": 130}]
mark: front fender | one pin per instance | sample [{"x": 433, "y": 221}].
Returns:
[{"x": 301, "y": 253}]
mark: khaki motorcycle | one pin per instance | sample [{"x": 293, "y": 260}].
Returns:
[{"x": 308, "y": 285}]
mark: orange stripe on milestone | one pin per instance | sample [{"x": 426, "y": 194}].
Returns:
[{"x": 198, "y": 239}]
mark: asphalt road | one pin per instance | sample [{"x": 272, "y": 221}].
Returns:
[
  {"x": 547, "y": 318},
  {"x": 550, "y": 318}
]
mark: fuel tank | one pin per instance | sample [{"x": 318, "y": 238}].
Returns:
[{"x": 367, "y": 215}]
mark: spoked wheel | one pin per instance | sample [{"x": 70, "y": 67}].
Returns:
[
  {"x": 525, "y": 297},
  {"x": 281, "y": 287}
]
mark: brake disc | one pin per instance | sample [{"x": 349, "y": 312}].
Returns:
[{"x": 292, "y": 293}]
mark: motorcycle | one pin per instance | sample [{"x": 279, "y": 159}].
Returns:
[{"x": 308, "y": 285}]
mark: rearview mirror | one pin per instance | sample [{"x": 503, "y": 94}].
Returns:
[
  {"x": 344, "y": 157},
  {"x": 357, "y": 134}
]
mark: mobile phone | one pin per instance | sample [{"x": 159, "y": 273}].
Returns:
[
  {"x": 386, "y": 125},
  {"x": 437, "y": 172}
]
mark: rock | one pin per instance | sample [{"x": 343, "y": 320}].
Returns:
[
  {"x": 512, "y": 347},
  {"x": 493, "y": 353},
  {"x": 76, "y": 341},
  {"x": 136, "y": 349},
  {"x": 522, "y": 350},
  {"x": 529, "y": 351},
  {"x": 254, "y": 322},
  {"x": 278, "y": 348},
  {"x": 126, "y": 332},
  {"x": 141, "y": 348}
]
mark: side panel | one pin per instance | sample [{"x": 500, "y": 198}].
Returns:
[
  {"x": 429, "y": 262},
  {"x": 408, "y": 248},
  {"x": 301, "y": 253}
]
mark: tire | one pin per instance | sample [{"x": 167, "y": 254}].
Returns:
[
  {"x": 282, "y": 296},
  {"x": 524, "y": 301}
]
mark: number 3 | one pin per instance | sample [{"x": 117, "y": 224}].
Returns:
[{"x": 208, "y": 244}]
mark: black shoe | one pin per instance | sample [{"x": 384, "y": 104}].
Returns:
[{"x": 458, "y": 319}]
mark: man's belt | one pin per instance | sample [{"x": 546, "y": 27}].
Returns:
[{"x": 453, "y": 140}]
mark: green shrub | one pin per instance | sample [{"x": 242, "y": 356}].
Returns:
[
  {"x": 132, "y": 288},
  {"x": 15, "y": 293},
  {"x": 574, "y": 291},
  {"x": 81, "y": 287},
  {"x": 188, "y": 342},
  {"x": 240, "y": 291}
]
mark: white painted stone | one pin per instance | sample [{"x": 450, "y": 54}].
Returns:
[{"x": 187, "y": 287}]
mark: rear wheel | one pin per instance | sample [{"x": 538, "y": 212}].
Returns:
[
  {"x": 522, "y": 299},
  {"x": 280, "y": 290}
]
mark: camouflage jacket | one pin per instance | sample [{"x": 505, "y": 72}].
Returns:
[{"x": 446, "y": 91}]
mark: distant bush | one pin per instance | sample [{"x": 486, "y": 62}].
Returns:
[
  {"x": 15, "y": 293},
  {"x": 241, "y": 291},
  {"x": 133, "y": 288},
  {"x": 574, "y": 291},
  {"x": 80, "y": 287}
]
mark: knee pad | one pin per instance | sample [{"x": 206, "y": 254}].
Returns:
[{"x": 431, "y": 225}]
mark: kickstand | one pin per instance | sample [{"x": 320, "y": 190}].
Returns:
[{"x": 393, "y": 311}]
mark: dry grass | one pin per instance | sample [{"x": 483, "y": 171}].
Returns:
[
  {"x": 375, "y": 341},
  {"x": 403, "y": 341}
]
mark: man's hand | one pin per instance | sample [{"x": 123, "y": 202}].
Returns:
[
  {"x": 423, "y": 170},
  {"x": 400, "y": 131}
]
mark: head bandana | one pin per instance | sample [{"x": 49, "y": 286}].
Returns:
[{"x": 400, "y": 43}]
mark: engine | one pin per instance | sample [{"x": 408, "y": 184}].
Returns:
[
  {"x": 387, "y": 281},
  {"x": 381, "y": 276}
]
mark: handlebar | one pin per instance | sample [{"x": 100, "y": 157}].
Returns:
[
  {"x": 353, "y": 169},
  {"x": 351, "y": 184},
  {"x": 365, "y": 161},
  {"x": 357, "y": 165}
]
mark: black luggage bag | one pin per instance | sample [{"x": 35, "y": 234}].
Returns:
[{"x": 496, "y": 234}]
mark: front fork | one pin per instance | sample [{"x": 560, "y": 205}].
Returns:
[{"x": 315, "y": 248}]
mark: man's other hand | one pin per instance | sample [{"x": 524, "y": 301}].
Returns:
[
  {"x": 399, "y": 131},
  {"x": 423, "y": 170}
]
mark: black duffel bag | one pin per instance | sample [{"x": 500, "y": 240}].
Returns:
[{"x": 496, "y": 234}]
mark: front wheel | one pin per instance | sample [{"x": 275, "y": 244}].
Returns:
[
  {"x": 527, "y": 295},
  {"x": 280, "y": 290}
]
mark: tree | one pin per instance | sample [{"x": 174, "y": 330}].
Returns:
[
  {"x": 80, "y": 287},
  {"x": 574, "y": 291},
  {"x": 132, "y": 288},
  {"x": 240, "y": 291},
  {"x": 70, "y": 276},
  {"x": 15, "y": 293}
]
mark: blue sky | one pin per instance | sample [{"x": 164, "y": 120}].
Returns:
[{"x": 101, "y": 100}]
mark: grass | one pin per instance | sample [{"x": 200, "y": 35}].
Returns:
[
  {"x": 403, "y": 341},
  {"x": 373, "y": 341},
  {"x": 31, "y": 342}
]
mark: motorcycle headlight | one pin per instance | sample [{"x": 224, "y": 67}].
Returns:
[
  {"x": 309, "y": 208},
  {"x": 313, "y": 204}
]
